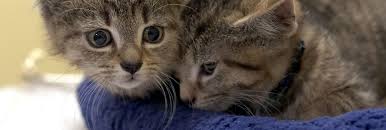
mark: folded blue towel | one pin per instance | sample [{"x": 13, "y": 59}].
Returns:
[{"x": 102, "y": 111}]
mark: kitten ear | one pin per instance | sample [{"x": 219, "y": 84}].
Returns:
[
  {"x": 285, "y": 13},
  {"x": 280, "y": 17},
  {"x": 45, "y": 8}
]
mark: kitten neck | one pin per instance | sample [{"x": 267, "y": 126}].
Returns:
[{"x": 278, "y": 94}]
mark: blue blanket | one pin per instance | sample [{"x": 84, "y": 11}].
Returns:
[{"x": 102, "y": 111}]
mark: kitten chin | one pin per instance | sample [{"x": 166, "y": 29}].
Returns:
[{"x": 141, "y": 91}]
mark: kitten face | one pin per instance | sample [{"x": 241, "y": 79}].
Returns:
[
  {"x": 218, "y": 76},
  {"x": 126, "y": 45},
  {"x": 230, "y": 62}
]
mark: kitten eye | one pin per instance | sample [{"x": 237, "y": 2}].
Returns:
[
  {"x": 153, "y": 34},
  {"x": 99, "y": 38}
]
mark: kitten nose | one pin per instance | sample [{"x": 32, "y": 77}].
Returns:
[
  {"x": 132, "y": 68},
  {"x": 208, "y": 68},
  {"x": 187, "y": 93}
]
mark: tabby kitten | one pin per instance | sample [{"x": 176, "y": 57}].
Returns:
[
  {"x": 128, "y": 46},
  {"x": 269, "y": 61}
]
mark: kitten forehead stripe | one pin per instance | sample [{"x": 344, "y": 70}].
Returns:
[
  {"x": 145, "y": 14},
  {"x": 107, "y": 17}
]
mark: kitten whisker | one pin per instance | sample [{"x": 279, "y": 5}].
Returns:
[
  {"x": 260, "y": 105},
  {"x": 169, "y": 77},
  {"x": 90, "y": 99},
  {"x": 170, "y": 96},
  {"x": 245, "y": 108},
  {"x": 97, "y": 99},
  {"x": 159, "y": 85},
  {"x": 259, "y": 92},
  {"x": 260, "y": 100},
  {"x": 211, "y": 100},
  {"x": 173, "y": 97}
]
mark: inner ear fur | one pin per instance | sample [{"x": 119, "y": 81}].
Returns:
[{"x": 282, "y": 14}]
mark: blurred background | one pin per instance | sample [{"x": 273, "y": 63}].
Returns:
[
  {"x": 37, "y": 92},
  {"x": 22, "y": 32}
]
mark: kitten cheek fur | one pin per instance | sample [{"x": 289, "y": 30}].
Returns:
[{"x": 67, "y": 21}]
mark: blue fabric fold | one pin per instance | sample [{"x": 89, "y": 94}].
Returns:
[{"x": 103, "y": 111}]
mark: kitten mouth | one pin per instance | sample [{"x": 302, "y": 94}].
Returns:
[
  {"x": 133, "y": 81},
  {"x": 132, "y": 78}
]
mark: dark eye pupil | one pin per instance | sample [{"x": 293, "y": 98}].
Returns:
[
  {"x": 153, "y": 34},
  {"x": 100, "y": 38}
]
